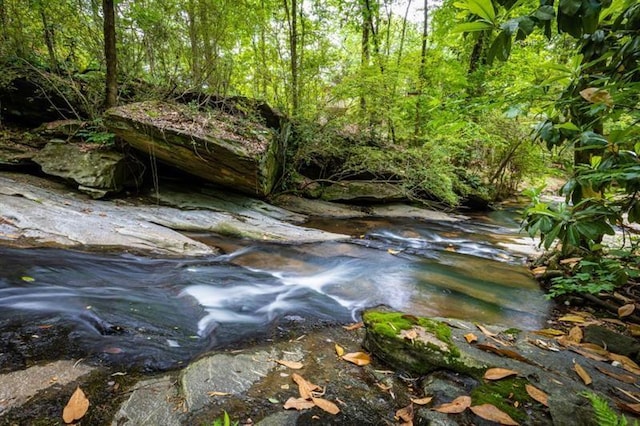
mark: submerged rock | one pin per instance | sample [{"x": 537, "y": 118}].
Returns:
[{"x": 239, "y": 154}]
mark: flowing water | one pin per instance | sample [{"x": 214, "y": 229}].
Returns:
[{"x": 157, "y": 313}]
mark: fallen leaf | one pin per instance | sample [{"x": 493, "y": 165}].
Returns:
[
  {"x": 405, "y": 414},
  {"x": 470, "y": 337},
  {"x": 630, "y": 395},
  {"x": 294, "y": 365},
  {"x": 498, "y": 373},
  {"x": 589, "y": 354},
  {"x": 298, "y": 404},
  {"x": 540, "y": 270},
  {"x": 352, "y": 327},
  {"x": 76, "y": 408},
  {"x": 550, "y": 332},
  {"x": 409, "y": 334},
  {"x": 537, "y": 394},
  {"x": 27, "y": 279},
  {"x": 619, "y": 296},
  {"x": 326, "y": 405},
  {"x": 634, "y": 329},
  {"x": 273, "y": 400},
  {"x": 572, "y": 318},
  {"x": 456, "y": 406},
  {"x": 582, "y": 373},
  {"x": 357, "y": 358},
  {"x": 504, "y": 352},
  {"x": 626, "y": 362},
  {"x": 216, "y": 393},
  {"x": 544, "y": 345},
  {"x": 422, "y": 401},
  {"x": 631, "y": 408},
  {"x": 492, "y": 413},
  {"x": 575, "y": 334},
  {"x": 570, "y": 261},
  {"x": 624, "y": 378},
  {"x": 485, "y": 331},
  {"x": 626, "y": 310},
  {"x": 339, "y": 350},
  {"x": 384, "y": 387},
  {"x": 393, "y": 252},
  {"x": 304, "y": 387}
]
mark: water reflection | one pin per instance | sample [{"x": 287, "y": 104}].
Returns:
[{"x": 160, "y": 312}]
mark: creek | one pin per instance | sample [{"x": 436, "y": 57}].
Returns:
[{"x": 159, "y": 313}]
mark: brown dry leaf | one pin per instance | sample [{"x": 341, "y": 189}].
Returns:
[
  {"x": 631, "y": 395},
  {"x": 294, "y": 365},
  {"x": 626, "y": 310},
  {"x": 634, "y": 329},
  {"x": 216, "y": 393},
  {"x": 630, "y": 408},
  {"x": 542, "y": 344},
  {"x": 498, "y": 373},
  {"x": 550, "y": 332},
  {"x": 597, "y": 96},
  {"x": 405, "y": 414},
  {"x": 572, "y": 318},
  {"x": 357, "y": 358},
  {"x": 298, "y": 404},
  {"x": 422, "y": 401},
  {"x": 76, "y": 408},
  {"x": 492, "y": 413},
  {"x": 614, "y": 321},
  {"x": 589, "y": 354},
  {"x": 624, "y": 378},
  {"x": 470, "y": 337},
  {"x": 537, "y": 394},
  {"x": 385, "y": 388},
  {"x": 504, "y": 352},
  {"x": 570, "y": 261},
  {"x": 626, "y": 362},
  {"x": 326, "y": 405},
  {"x": 575, "y": 334},
  {"x": 486, "y": 332},
  {"x": 355, "y": 326},
  {"x": 540, "y": 270},
  {"x": 304, "y": 387},
  {"x": 456, "y": 406},
  {"x": 411, "y": 334},
  {"x": 339, "y": 350},
  {"x": 582, "y": 373}
]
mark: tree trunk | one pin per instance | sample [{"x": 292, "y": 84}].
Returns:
[
  {"x": 108, "y": 11},
  {"x": 3, "y": 26},
  {"x": 292, "y": 18},
  {"x": 196, "y": 74},
  {"x": 365, "y": 57},
  {"x": 49, "y": 37}
]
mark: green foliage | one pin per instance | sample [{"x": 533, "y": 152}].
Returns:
[
  {"x": 96, "y": 133},
  {"x": 604, "y": 415},
  {"x": 225, "y": 420},
  {"x": 593, "y": 276}
]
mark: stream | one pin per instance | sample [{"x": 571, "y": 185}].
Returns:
[{"x": 159, "y": 313}]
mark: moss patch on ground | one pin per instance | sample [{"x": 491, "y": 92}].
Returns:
[{"x": 508, "y": 395}]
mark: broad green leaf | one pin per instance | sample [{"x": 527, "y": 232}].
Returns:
[
  {"x": 482, "y": 8},
  {"x": 567, "y": 126},
  {"x": 500, "y": 48},
  {"x": 469, "y": 27},
  {"x": 570, "y": 7},
  {"x": 545, "y": 13}
]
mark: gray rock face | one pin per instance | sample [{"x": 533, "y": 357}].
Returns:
[
  {"x": 152, "y": 402},
  {"x": 360, "y": 191},
  {"x": 238, "y": 154},
  {"x": 96, "y": 171}
]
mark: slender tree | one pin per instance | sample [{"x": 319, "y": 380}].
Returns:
[{"x": 108, "y": 9}]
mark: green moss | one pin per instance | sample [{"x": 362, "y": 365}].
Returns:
[
  {"x": 390, "y": 324},
  {"x": 503, "y": 394},
  {"x": 512, "y": 331},
  {"x": 229, "y": 230}
]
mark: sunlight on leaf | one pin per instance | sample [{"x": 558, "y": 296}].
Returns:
[
  {"x": 498, "y": 373},
  {"x": 537, "y": 394},
  {"x": 470, "y": 337},
  {"x": 216, "y": 393},
  {"x": 456, "y": 406},
  {"x": 422, "y": 401},
  {"x": 572, "y": 318},
  {"x": 305, "y": 388},
  {"x": 27, "y": 279},
  {"x": 357, "y": 358},
  {"x": 492, "y": 413},
  {"x": 626, "y": 310},
  {"x": 575, "y": 334},
  {"x": 339, "y": 350},
  {"x": 550, "y": 332},
  {"x": 76, "y": 408},
  {"x": 405, "y": 414}
]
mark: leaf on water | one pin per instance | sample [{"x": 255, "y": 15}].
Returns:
[
  {"x": 485, "y": 331},
  {"x": 498, "y": 373},
  {"x": 550, "y": 332},
  {"x": 339, "y": 350},
  {"x": 575, "y": 334},
  {"x": 422, "y": 401},
  {"x": 456, "y": 406},
  {"x": 326, "y": 405},
  {"x": 304, "y": 387},
  {"x": 27, "y": 279},
  {"x": 352, "y": 327},
  {"x": 294, "y": 365},
  {"x": 537, "y": 394},
  {"x": 470, "y": 337},
  {"x": 626, "y": 310},
  {"x": 492, "y": 413},
  {"x": 405, "y": 414},
  {"x": 624, "y": 378},
  {"x": 298, "y": 404},
  {"x": 357, "y": 358},
  {"x": 582, "y": 373},
  {"x": 572, "y": 318},
  {"x": 76, "y": 408},
  {"x": 216, "y": 393}
]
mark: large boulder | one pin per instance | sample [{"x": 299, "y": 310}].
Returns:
[
  {"x": 224, "y": 149},
  {"x": 364, "y": 192},
  {"x": 96, "y": 171}
]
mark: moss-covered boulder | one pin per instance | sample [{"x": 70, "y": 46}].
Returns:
[
  {"x": 233, "y": 152},
  {"x": 416, "y": 345}
]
